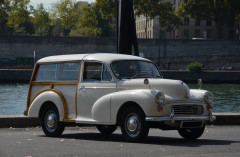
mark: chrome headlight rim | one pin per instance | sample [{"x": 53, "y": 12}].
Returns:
[
  {"x": 208, "y": 98},
  {"x": 160, "y": 98}
]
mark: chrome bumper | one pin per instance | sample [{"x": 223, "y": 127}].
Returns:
[{"x": 174, "y": 118}]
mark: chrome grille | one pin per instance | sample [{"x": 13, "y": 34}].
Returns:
[{"x": 188, "y": 109}]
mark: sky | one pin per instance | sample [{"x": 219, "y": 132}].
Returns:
[{"x": 47, "y": 3}]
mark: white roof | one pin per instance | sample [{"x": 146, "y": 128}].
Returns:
[{"x": 103, "y": 57}]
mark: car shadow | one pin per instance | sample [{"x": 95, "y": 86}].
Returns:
[{"x": 154, "y": 140}]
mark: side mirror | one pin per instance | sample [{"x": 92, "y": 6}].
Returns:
[{"x": 200, "y": 83}]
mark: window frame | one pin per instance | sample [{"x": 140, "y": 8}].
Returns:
[
  {"x": 161, "y": 76},
  {"x": 54, "y": 82},
  {"x": 102, "y": 68}
]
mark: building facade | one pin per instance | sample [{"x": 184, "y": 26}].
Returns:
[{"x": 191, "y": 29}]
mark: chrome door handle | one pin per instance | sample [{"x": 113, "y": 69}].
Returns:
[{"x": 81, "y": 88}]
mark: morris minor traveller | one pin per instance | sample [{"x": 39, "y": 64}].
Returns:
[{"x": 110, "y": 90}]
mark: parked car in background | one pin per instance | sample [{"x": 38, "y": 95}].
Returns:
[{"x": 110, "y": 90}]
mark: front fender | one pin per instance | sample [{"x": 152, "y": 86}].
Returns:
[
  {"x": 101, "y": 109},
  {"x": 52, "y": 96},
  {"x": 144, "y": 98}
]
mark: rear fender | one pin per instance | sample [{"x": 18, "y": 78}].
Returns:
[{"x": 53, "y": 96}]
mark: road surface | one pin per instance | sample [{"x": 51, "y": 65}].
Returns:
[{"x": 217, "y": 141}]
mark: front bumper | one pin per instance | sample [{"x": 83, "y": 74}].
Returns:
[{"x": 174, "y": 118}]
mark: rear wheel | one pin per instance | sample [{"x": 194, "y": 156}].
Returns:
[
  {"x": 106, "y": 129},
  {"x": 133, "y": 125},
  {"x": 51, "y": 125},
  {"x": 191, "y": 133}
]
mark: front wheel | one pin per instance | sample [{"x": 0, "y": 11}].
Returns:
[
  {"x": 133, "y": 125},
  {"x": 51, "y": 125},
  {"x": 106, "y": 129},
  {"x": 191, "y": 133}
]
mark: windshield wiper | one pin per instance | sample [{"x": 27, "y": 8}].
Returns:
[
  {"x": 137, "y": 75},
  {"x": 141, "y": 75}
]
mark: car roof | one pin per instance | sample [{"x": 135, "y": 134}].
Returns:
[{"x": 103, "y": 57}]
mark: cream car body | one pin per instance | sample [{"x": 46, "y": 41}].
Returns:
[{"x": 90, "y": 89}]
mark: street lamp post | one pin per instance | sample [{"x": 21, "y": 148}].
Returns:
[{"x": 117, "y": 25}]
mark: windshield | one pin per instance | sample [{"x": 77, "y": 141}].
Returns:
[{"x": 135, "y": 69}]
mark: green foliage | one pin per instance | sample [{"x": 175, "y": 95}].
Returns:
[
  {"x": 4, "y": 10},
  {"x": 19, "y": 14},
  {"x": 107, "y": 8},
  {"x": 68, "y": 12},
  {"x": 106, "y": 25},
  {"x": 195, "y": 66},
  {"x": 146, "y": 8},
  {"x": 41, "y": 20},
  {"x": 216, "y": 10},
  {"x": 167, "y": 17},
  {"x": 87, "y": 24}
]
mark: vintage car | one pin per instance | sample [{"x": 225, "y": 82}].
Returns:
[{"x": 110, "y": 90}]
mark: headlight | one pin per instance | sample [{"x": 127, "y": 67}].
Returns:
[
  {"x": 160, "y": 98},
  {"x": 208, "y": 98}
]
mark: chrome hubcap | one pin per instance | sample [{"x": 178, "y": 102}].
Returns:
[
  {"x": 51, "y": 121},
  {"x": 132, "y": 124}
]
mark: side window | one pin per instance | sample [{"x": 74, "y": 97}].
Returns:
[
  {"x": 58, "y": 72},
  {"x": 47, "y": 72},
  {"x": 94, "y": 71},
  {"x": 69, "y": 71},
  {"x": 106, "y": 75}
]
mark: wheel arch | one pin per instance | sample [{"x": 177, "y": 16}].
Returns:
[
  {"x": 129, "y": 104},
  {"x": 45, "y": 98}
]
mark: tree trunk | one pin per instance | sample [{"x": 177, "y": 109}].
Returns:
[{"x": 146, "y": 27}]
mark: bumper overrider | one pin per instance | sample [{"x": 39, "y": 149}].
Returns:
[{"x": 174, "y": 118}]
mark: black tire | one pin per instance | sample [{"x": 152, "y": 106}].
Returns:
[
  {"x": 106, "y": 129},
  {"x": 133, "y": 125},
  {"x": 191, "y": 133},
  {"x": 51, "y": 125}
]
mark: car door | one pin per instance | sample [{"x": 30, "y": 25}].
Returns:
[{"x": 96, "y": 82}]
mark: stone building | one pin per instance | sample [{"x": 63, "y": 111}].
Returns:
[{"x": 191, "y": 28}]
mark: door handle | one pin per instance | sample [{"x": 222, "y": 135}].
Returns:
[{"x": 81, "y": 88}]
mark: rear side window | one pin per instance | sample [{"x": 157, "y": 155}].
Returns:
[{"x": 58, "y": 72}]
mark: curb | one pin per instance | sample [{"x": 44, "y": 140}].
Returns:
[{"x": 20, "y": 121}]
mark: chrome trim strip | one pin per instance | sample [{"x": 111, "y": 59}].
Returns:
[
  {"x": 185, "y": 102},
  {"x": 173, "y": 118},
  {"x": 159, "y": 119}
]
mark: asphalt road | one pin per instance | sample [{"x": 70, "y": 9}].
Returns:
[{"x": 217, "y": 141}]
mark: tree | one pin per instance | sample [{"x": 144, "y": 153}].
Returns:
[
  {"x": 67, "y": 11},
  {"x": 4, "y": 10},
  {"x": 146, "y": 8},
  {"x": 107, "y": 8},
  {"x": 41, "y": 20},
  {"x": 19, "y": 14},
  {"x": 216, "y": 10},
  {"x": 87, "y": 24},
  {"x": 105, "y": 23},
  {"x": 235, "y": 5},
  {"x": 168, "y": 18}
]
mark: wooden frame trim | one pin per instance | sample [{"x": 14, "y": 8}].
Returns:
[
  {"x": 39, "y": 83},
  {"x": 51, "y": 86}
]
